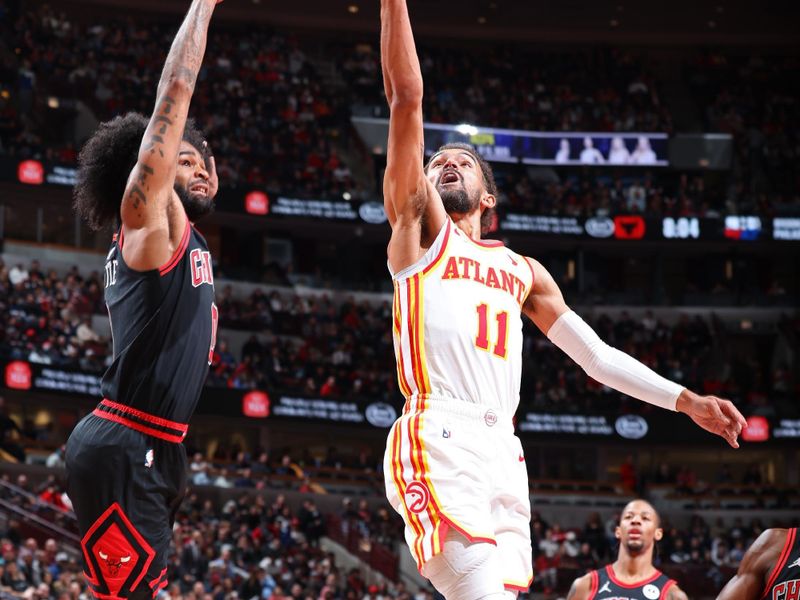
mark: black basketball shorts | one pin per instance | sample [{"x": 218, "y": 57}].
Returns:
[{"x": 126, "y": 477}]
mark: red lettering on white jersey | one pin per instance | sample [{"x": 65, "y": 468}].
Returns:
[{"x": 463, "y": 267}]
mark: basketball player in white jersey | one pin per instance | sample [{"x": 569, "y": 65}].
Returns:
[{"x": 454, "y": 469}]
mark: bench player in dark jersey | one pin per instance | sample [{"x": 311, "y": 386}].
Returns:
[
  {"x": 126, "y": 466},
  {"x": 770, "y": 569},
  {"x": 632, "y": 576}
]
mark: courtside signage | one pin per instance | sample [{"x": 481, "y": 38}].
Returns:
[
  {"x": 318, "y": 408},
  {"x": 682, "y": 228},
  {"x": 18, "y": 375},
  {"x": 742, "y": 227},
  {"x": 787, "y": 428},
  {"x": 562, "y": 423},
  {"x": 757, "y": 429},
  {"x": 321, "y": 209},
  {"x": 600, "y": 227},
  {"x": 255, "y": 404},
  {"x": 562, "y": 148},
  {"x": 541, "y": 224},
  {"x": 629, "y": 227},
  {"x": 784, "y": 228},
  {"x": 256, "y": 203},
  {"x": 30, "y": 172}
]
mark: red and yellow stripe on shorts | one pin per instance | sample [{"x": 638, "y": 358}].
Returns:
[{"x": 409, "y": 462}]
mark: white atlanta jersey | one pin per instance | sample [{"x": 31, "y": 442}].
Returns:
[{"x": 457, "y": 322}]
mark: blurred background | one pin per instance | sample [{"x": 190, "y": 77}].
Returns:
[{"x": 646, "y": 155}]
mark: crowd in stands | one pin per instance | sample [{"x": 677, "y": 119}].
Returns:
[
  {"x": 46, "y": 318},
  {"x": 246, "y": 548},
  {"x": 691, "y": 351},
  {"x": 717, "y": 549},
  {"x": 249, "y": 546},
  {"x": 318, "y": 347},
  {"x": 267, "y": 115},
  {"x": 273, "y": 121},
  {"x": 519, "y": 88},
  {"x": 757, "y": 99},
  {"x": 45, "y": 500},
  {"x": 592, "y": 193}
]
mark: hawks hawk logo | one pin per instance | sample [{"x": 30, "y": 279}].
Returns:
[
  {"x": 117, "y": 556},
  {"x": 417, "y": 497}
]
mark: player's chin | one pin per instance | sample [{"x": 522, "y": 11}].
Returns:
[
  {"x": 635, "y": 545},
  {"x": 198, "y": 205}
]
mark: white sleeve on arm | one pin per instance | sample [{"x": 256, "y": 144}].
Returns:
[{"x": 610, "y": 366}]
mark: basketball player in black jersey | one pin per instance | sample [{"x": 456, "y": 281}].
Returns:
[
  {"x": 632, "y": 576},
  {"x": 126, "y": 465},
  {"x": 770, "y": 569}
]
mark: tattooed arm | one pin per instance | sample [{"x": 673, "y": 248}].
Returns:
[{"x": 149, "y": 242}]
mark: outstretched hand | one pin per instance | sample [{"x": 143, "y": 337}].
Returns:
[
  {"x": 713, "y": 414},
  {"x": 213, "y": 178}
]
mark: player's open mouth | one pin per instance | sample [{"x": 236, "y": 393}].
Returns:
[
  {"x": 449, "y": 177},
  {"x": 199, "y": 189}
]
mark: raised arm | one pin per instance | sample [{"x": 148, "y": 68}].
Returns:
[
  {"x": 408, "y": 195},
  {"x": 144, "y": 211},
  {"x": 751, "y": 578},
  {"x": 545, "y": 306}
]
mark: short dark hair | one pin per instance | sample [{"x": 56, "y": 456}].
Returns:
[
  {"x": 486, "y": 171},
  {"x": 106, "y": 161},
  {"x": 658, "y": 523}
]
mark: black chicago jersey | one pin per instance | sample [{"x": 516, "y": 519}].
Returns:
[
  {"x": 163, "y": 323},
  {"x": 606, "y": 586},
  {"x": 126, "y": 465},
  {"x": 784, "y": 580}
]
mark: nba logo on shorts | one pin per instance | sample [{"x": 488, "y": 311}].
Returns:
[
  {"x": 417, "y": 497},
  {"x": 148, "y": 458},
  {"x": 490, "y": 418}
]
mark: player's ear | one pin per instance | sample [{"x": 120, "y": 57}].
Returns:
[
  {"x": 659, "y": 534},
  {"x": 488, "y": 200},
  {"x": 617, "y": 532}
]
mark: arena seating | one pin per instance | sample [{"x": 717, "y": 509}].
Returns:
[
  {"x": 303, "y": 142},
  {"x": 329, "y": 348},
  {"x": 246, "y": 539}
]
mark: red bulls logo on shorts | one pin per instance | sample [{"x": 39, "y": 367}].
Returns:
[
  {"x": 117, "y": 556},
  {"x": 114, "y": 563},
  {"x": 417, "y": 497}
]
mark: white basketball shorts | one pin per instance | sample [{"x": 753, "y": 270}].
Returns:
[{"x": 453, "y": 464}]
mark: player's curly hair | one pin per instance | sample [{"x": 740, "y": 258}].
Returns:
[
  {"x": 105, "y": 162},
  {"x": 486, "y": 171}
]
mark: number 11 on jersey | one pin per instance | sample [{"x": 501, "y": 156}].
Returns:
[{"x": 482, "y": 339}]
